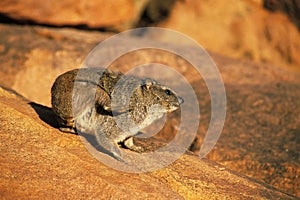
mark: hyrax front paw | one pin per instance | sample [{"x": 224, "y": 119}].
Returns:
[
  {"x": 116, "y": 152},
  {"x": 108, "y": 145},
  {"x": 68, "y": 130},
  {"x": 130, "y": 145}
]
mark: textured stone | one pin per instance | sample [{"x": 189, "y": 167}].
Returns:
[
  {"x": 290, "y": 7},
  {"x": 38, "y": 161},
  {"x": 260, "y": 136},
  {"x": 98, "y": 13},
  {"x": 41, "y": 60},
  {"x": 240, "y": 29}
]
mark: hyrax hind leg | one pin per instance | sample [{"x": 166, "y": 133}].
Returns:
[{"x": 66, "y": 125}]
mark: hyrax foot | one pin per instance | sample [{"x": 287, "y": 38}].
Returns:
[
  {"x": 130, "y": 145},
  {"x": 68, "y": 130}
]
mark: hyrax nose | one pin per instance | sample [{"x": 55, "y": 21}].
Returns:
[{"x": 180, "y": 100}]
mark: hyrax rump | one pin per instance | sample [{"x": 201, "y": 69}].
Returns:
[{"x": 110, "y": 105}]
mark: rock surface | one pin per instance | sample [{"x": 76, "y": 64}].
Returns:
[
  {"x": 240, "y": 29},
  {"x": 260, "y": 136},
  {"x": 87, "y": 13},
  {"x": 38, "y": 161},
  {"x": 247, "y": 29},
  {"x": 290, "y": 7}
]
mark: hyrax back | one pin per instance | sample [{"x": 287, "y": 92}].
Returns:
[
  {"x": 110, "y": 105},
  {"x": 77, "y": 85}
]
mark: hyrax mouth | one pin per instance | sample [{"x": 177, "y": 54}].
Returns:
[{"x": 173, "y": 106}]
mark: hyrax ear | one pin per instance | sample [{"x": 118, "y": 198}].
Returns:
[{"x": 148, "y": 83}]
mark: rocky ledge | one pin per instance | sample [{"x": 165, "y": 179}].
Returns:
[
  {"x": 260, "y": 137},
  {"x": 38, "y": 161}
]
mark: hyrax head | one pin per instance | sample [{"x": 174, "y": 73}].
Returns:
[{"x": 161, "y": 95}]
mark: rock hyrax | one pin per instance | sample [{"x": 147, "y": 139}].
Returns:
[{"x": 110, "y": 105}]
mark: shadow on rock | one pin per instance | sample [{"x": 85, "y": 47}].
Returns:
[{"x": 45, "y": 113}]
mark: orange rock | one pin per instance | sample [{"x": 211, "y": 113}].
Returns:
[
  {"x": 38, "y": 161},
  {"x": 97, "y": 13},
  {"x": 290, "y": 7},
  {"x": 262, "y": 123},
  {"x": 239, "y": 29}
]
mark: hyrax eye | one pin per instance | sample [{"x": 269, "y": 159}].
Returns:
[{"x": 168, "y": 92}]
